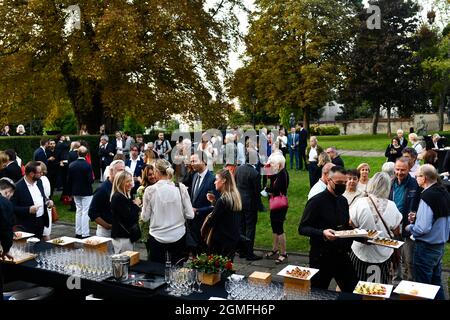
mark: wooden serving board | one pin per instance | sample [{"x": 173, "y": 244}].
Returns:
[{"x": 27, "y": 257}]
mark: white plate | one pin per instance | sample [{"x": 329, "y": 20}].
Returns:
[
  {"x": 416, "y": 289},
  {"x": 373, "y": 241},
  {"x": 67, "y": 240},
  {"x": 23, "y": 235},
  {"x": 355, "y": 233},
  {"x": 291, "y": 267},
  {"x": 387, "y": 286},
  {"x": 94, "y": 240}
]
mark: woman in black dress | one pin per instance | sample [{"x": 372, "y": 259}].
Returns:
[
  {"x": 393, "y": 150},
  {"x": 225, "y": 218},
  {"x": 279, "y": 183}
]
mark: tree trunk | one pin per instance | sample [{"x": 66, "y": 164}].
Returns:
[
  {"x": 376, "y": 116},
  {"x": 441, "y": 110},
  {"x": 306, "y": 124},
  {"x": 388, "y": 111}
]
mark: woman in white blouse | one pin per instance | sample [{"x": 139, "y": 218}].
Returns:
[
  {"x": 371, "y": 262},
  {"x": 167, "y": 207}
]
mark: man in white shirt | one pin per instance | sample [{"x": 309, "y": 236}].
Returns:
[
  {"x": 135, "y": 165},
  {"x": 321, "y": 185},
  {"x": 119, "y": 145}
]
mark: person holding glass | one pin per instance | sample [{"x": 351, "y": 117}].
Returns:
[
  {"x": 226, "y": 216},
  {"x": 125, "y": 212}
]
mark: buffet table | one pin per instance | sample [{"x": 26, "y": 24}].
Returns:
[{"x": 111, "y": 289}]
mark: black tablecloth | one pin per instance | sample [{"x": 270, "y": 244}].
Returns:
[{"x": 110, "y": 289}]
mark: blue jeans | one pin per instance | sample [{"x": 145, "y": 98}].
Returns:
[{"x": 427, "y": 262}]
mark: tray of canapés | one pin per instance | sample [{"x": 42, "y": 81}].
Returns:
[
  {"x": 416, "y": 289},
  {"x": 386, "y": 242},
  {"x": 19, "y": 235},
  {"x": 297, "y": 272},
  {"x": 95, "y": 241},
  {"x": 62, "y": 241},
  {"x": 373, "y": 289},
  {"x": 357, "y": 233}
]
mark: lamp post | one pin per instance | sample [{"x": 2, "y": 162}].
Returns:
[{"x": 254, "y": 102}]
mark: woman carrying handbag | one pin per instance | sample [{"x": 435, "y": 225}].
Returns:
[{"x": 279, "y": 184}]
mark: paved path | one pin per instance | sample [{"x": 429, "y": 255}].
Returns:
[
  {"x": 361, "y": 153},
  {"x": 242, "y": 266}
]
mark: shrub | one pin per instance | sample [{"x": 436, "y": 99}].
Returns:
[{"x": 317, "y": 130}]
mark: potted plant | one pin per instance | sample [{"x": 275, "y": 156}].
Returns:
[{"x": 212, "y": 266}]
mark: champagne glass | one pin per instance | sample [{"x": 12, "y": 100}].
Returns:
[{"x": 198, "y": 280}]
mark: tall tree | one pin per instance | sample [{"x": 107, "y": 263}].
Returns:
[
  {"x": 148, "y": 59},
  {"x": 294, "y": 56},
  {"x": 379, "y": 69}
]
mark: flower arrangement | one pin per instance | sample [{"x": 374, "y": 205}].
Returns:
[{"x": 212, "y": 264}]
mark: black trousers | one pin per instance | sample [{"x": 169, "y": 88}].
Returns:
[
  {"x": 52, "y": 176},
  {"x": 333, "y": 264},
  {"x": 158, "y": 250},
  {"x": 302, "y": 156},
  {"x": 249, "y": 219}
]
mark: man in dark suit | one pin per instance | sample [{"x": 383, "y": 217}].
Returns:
[
  {"x": 100, "y": 208},
  {"x": 80, "y": 182},
  {"x": 73, "y": 153},
  {"x": 12, "y": 169},
  {"x": 30, "y": 203},
  {"x": 52, "y": 165},
  {"x": 202, "y": 183},
  {"x": 106, "y": 154},
  {"x": 335, "y": 158},
  {"x": 293, "y": 144},
  {"x": 136, "y": 164},
  {"x": 39, "y": 153},
  {"x": 303, "y": 143},
  {"x": 248, "y": 183},
  {"x": 61, "y": 154}
]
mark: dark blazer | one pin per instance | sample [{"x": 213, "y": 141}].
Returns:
[
  {"x": 201, "y": 203},
  {"x": 295, "y": 141},
  {"x": 101, "y": 204},
  {"x": 40, "y": 155},
  {"x": 104, "y": 153},
  {"x": 80, "y": 179},
  {"x": 404, "y": 144},
  {"x": 248, "y": 181},
  {"x": 12, "y": 171},
  {"x": 139, "y": 167},
  {"x": 72, "y": 156},
  {"x": 303, "y": 137},
  {"x": 124, "y": 214},
  {"x": 52, "y": 165},
  {"x": 22, "y": 202},
  {"x": 61, "y": 151},
  {"x": 6, "y": 223},
  {"x": 338, "y": 161}
]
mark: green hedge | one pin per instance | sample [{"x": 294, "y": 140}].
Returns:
[
  {"x": 317, "y": 130},
  {"x": 25, "y": 146}
]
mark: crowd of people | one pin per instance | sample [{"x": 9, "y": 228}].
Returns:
[{"x": 167, "y": 196}]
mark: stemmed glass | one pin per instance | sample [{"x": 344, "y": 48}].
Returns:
[
  {"x": 198, "y": 280},
  {"x": 228, "y": 288}
]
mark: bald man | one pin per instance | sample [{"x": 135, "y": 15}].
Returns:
[{"x": 321, "y": 185}]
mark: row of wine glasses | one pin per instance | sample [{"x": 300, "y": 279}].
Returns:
[
  {"x": 87, "y": 264},
  {"x": 244, "y": 290},
  {"x": 181, "y": 281}
]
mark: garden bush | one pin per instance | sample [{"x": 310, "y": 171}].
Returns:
[{"x": 317, "y": 130}]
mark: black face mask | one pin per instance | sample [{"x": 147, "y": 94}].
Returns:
[{"x": 339, "y": 189}]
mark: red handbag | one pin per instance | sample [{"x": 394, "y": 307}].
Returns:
[{"x": 278, "y": 202}]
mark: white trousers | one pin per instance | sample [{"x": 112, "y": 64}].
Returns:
[
  {"x": 81, "y": 216},
  {"x": 122, "y": 245},
  {"x": 48, "y": 231},
  {"x": 102, "y": 232}
]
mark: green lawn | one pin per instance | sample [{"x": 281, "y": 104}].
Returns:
[
  {"x": 356, "y": 142},
  {"x": 298, "y": 191}
]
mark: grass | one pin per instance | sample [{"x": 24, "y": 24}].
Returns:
[
  {"x": 356, "y": 142},
  {"x": 298, "y": 191}
]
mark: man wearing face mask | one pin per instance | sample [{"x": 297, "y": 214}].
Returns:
[{"x": 324, "y": 214}]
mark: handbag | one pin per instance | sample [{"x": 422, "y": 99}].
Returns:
[
  {"x": 279, "y": 202},
  {"x": 206, "y": 231},
  {"x": 55, "y": 216},
  {"x": 134, "y": 232},
  {"x": 396, "y": 255}
]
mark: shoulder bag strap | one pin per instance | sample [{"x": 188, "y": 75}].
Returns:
[{"x": 382, "y": 220}]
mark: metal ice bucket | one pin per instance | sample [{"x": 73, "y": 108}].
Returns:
[{"x": 120, "y": 266}]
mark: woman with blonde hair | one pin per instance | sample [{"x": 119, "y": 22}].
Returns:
[
  {"x": 167, "y": 206},
  {"x": 226, "y": 216},
  {"x": 125, "y": 213},
  {"x": 364, "y": 170}
]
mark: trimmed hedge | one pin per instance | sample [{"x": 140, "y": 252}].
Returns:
[
  {"x": 317, "y": 130},
  {"x": 25, "y": 146}
]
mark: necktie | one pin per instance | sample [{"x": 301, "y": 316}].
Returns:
[{"x": 197, "y": 183}]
